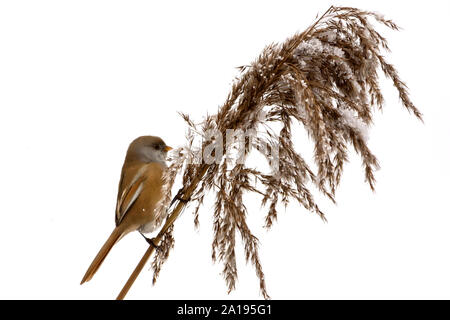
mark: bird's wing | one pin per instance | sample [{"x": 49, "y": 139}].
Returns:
[{"x": 129, "y": 190}]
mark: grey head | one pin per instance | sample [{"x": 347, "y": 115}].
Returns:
[{"x": 147, "y": 149}]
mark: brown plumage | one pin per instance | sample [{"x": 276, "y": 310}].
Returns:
[{"x": 139, "y": 191}]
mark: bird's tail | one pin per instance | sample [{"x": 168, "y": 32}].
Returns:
[{"x": 101, "y": 255}]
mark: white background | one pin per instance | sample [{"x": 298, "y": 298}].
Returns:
[{"x": 80, "y": 79}]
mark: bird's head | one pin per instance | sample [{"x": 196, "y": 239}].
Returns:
[{"x": 148, "y": 149}]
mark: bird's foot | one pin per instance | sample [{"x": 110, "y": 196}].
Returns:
[
  {"x": 151, "y": 242},
  {"x": 177, "y": 197}
]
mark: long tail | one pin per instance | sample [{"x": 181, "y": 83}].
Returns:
[{"x": 101, "y": 255}]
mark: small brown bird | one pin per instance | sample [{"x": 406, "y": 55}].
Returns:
[{"x": 139, "y": 192}]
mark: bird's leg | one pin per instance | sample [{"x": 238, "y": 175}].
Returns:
[
  {"x": 179, "y": 198},
  {"x": 150, "y": 242}
]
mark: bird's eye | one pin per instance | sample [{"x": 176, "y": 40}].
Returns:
[{"x": 157, "y": 147}]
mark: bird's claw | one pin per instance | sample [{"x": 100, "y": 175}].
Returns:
[
  {"x": 177, "y": 197},
  {"x": 152, "y": 243}
]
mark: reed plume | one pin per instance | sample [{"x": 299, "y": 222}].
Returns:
[{"x": 325, "y": 79}]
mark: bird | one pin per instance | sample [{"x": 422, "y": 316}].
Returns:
[{"x": 140, "y": 189}]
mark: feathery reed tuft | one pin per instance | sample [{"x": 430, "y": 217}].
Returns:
[{"x": 325, "y": 79}]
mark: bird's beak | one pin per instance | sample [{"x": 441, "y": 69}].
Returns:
[{"x": 167, "y": 148}]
